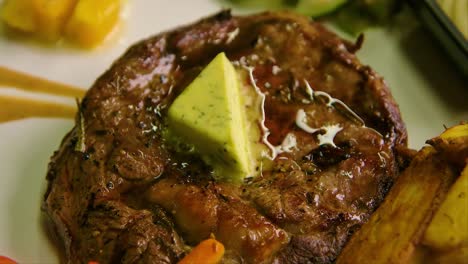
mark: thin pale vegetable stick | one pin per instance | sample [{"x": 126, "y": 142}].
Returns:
[
  {"x": 209, "y": 251},
  {"x": 23, "y": 81},
  {"x": 14, "y": 108}
]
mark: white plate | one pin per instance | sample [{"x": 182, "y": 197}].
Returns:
[{"x": 430, "y": 93}]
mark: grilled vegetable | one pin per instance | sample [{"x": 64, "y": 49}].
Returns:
[
  {"x": 85, "y": 22},
  {"x": 394, "y": 230},
  {"x": 51, "y": 16},
  {"x": 208, "y": 251},
  {"x": 19, "y": 14},
  {"x": 5, "y": 260},
  {"x": 455, "y": 132},
  {"x": 447, "y": 235},
  {"x": 456, "y": 256},
  {"x": 92, "y": 21},
  {"x": 423, "y": 206}
]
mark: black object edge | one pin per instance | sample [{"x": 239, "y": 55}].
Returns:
[{"x": 444, "y": 30}]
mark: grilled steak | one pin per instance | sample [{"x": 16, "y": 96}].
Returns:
[{"x": 119, "y": 192}]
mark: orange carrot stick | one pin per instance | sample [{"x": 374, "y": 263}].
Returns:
[
  {"x": 5, "y": 260},
  {"x": 209, "y": 251}
]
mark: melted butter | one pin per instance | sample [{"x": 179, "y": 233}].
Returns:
[
  {"x": 260, "y": 108},
  {"x": 330, "y": 130},
  {"x": 254, "y": 102},
  {"x": 301, "y": 122},
  {"x": 289, "y": 144},
  {"x": 325, "y": 134},
  {"x": 333, "y": 102},
  {"x": 232, "y": 35},
  {"x": 16, "y": 108},
  {"x": 329, "y": 136}
]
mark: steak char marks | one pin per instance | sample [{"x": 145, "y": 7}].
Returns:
[{"x": 126, "y": 195}]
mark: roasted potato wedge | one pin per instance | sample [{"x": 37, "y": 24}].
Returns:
[
  {"x": 455, "y": 132},
  {"x": 449, "y": 226},
  {"x": 424, "y": 255},
  {"x": 455, "y": 256},
  {"x": 397, "y": 226},
  {"x": 453, "y": 145},
  {"x": 424, "y": 218}
]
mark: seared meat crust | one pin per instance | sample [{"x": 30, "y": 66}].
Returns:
[{"x": 129, "y": 196}]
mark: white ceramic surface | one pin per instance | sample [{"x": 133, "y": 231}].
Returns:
[{"x": 425, "y": 84}]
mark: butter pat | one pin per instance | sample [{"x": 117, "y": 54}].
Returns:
[{"x": 209, "y": 114}]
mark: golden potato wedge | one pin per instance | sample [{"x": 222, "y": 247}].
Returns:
[
  {"x": 449, "y": 226},
  {"x": 52, "y": 16},
  {"x": 456, "y": 256},
  {"x": 92, "y": 21},
  {"x": 419, "y": 256},
  {"x": 455, "y": 131},
  {"x": 424, "y": 255},
  {"x": 19, "y": 14},
  {"x": 453, "y": 145},
  {"x": 398, "y": 225}
]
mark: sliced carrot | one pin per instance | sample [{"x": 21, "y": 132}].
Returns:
[
  {"x": 5, "y": 260},
  {"x": 209, "y": 251}
]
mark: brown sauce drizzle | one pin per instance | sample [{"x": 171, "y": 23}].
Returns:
[{"x": 16, "y": 108}]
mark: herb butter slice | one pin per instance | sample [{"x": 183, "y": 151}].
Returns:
[{"x": 210, "y": 115}]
